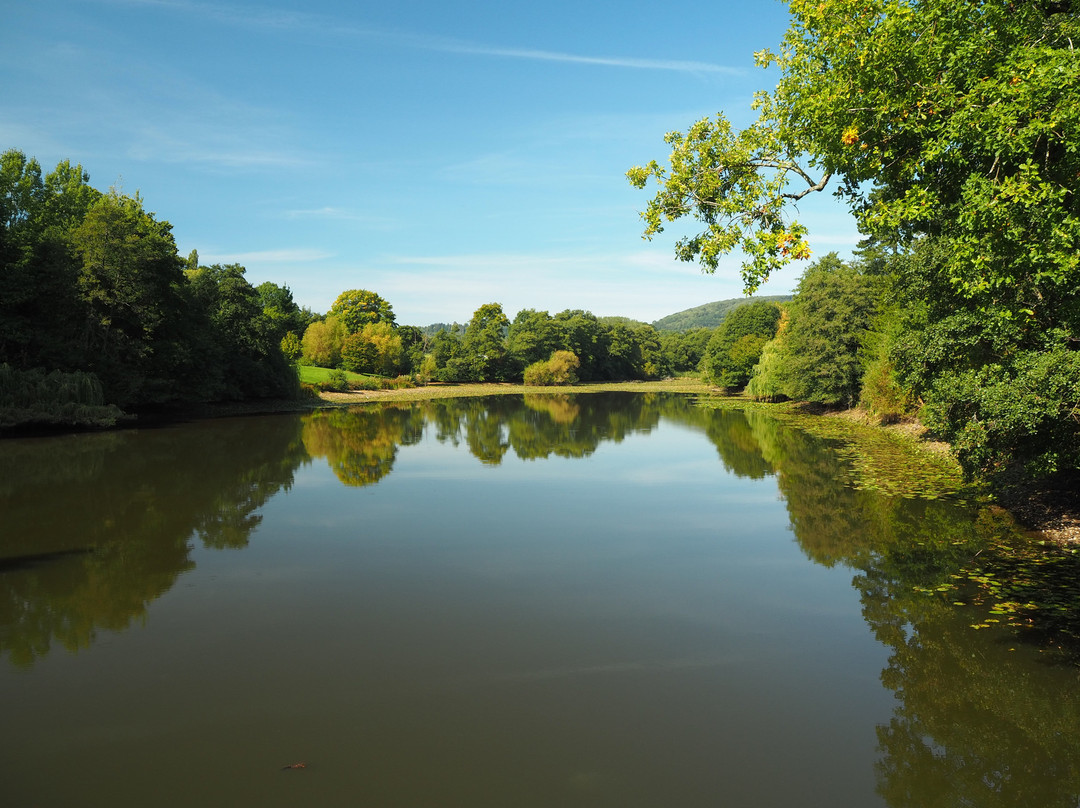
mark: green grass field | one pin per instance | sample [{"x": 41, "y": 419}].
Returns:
[{"x": 313, "y": 375}]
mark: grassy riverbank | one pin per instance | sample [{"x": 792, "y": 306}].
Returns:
[{"x": 432, "y": 391}]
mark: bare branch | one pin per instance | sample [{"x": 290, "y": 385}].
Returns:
[{"x": 819, "y": 186}]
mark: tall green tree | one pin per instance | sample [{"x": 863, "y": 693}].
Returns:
[
  {"x": 485, "y": 343},
  {"x": 41, "y": 308},
  {"x": 820, "y": 355},
  {"x": 242, "y": 356},
  {"x": 355, "y": 308},
  {"x": 958, "y": 120},
  {"x": 683, "y": 350},
  {"x": 736, "y": 345},
  {"x": 92, "y": 286},
  {"x": 831, "y": 314},
  {"x": 582, "y": 335},
  {"x": 130, "y": 277},
  {"x": 280, "y": 310},
  {"x": 375, "y": 348},
  {"x": 448, "y": 355},
  {"x": 629, "y": 350},
  {"x": 532, "y": 337},
  {"x": 412, "y": 343},
  {"x": 322, "y": 342}
]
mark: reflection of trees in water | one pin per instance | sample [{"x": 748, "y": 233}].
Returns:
[
  {"x": 976, "y": 723},
  {"x": 739, "y": 447},
  {"x": 973, "y": 725},
  {"x": 563, "y": 409},
  {"x": 99, "y": 525},
  {"x": 539, "y": 426},
  {"x": 826, "y": 516},
  {"x": 567, "y": 425},
  {"x": 486, "y": 428},
  {"x": 360, "y": 445}
]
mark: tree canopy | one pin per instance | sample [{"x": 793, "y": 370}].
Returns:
[
  {"x": 951, "y": 128},
  {"x": 736, "y": 345},
  {"x": 834, "y": 306},
  {"x": 358, "y": 307},
  {"x": 957, "y": 119}
]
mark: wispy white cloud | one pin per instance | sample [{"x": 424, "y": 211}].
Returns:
[
  {"x": 215, "y": 147},
  {"x": 294, "y": 255},
  {"x": 273, "y": 19},
  {"x": 533, "y": 54},
  {"x": 330, "y": 213},
  {"x": 222, "y": 12}
]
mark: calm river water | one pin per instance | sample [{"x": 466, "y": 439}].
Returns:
[{"x": 600, "y": 600}]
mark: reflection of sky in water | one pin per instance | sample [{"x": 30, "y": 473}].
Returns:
[
  {"x": 639, "y": 620},
  {"x": 650, "y": 529},
  {"x": 643, "y": 569}
]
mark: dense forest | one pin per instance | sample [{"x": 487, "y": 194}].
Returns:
[
  {"x": 98, "y": 311},
  {"x": 952, "y": 130}
]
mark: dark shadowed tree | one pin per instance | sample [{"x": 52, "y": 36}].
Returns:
[{"x": 130, "y": 277}]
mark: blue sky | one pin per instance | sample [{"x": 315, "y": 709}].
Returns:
[{"x": 442, "y": 154}]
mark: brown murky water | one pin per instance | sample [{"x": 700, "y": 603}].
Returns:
[{"x": 601, "y": 600}]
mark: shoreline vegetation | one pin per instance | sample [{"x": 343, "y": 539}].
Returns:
[
  {"x": 901, "y": 458},
  {"x": 1028, "y": 554},
  {"x": 103, "y": 317}
]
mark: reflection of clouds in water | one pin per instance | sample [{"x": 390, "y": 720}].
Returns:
[
  {"x": 689, "y": 471},
  {"x": 619, "y": 668}
]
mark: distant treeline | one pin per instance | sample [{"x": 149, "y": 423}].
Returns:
[
  {"x": 711, "y": 315},
  {"x": 359, "y": 334}
]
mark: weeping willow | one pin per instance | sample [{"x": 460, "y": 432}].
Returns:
[{"x": 37, "y": 397}]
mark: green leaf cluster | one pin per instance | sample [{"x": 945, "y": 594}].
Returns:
[
  {"x": 560, "y": 369},
  {"x": 819, "y": 353},
  {"x": 736, "y": 345},
  {"x": 951, "y": 128}
]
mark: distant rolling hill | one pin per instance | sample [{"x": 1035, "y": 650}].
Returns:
[{"x": 710, "y": 315}]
